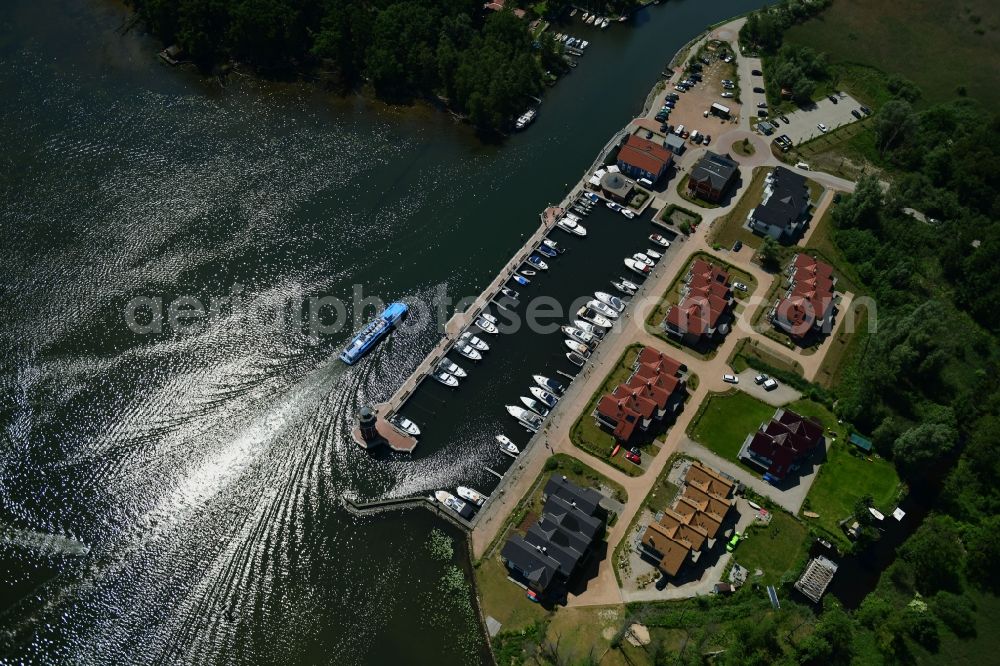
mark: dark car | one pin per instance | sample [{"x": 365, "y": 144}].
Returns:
[
  {"x": 696, "y": 77},
  {"x": 660, "y": 117},
  {"x": 865, "y": 110},
  {"x": 758, "y": 89},
  {"x": 664, "y": 127},
  {"x": 756, "y": 72},
  {"x": 832, "y": 98},
  {"x": 673, "y": 96},
  {"x": 737, "y": 246},
  {"x": 762, "y": 113},
  {"x": 784, "y": 119},
  {"x": 649, "y": 134},
  {"x": 856, "y": 113}
]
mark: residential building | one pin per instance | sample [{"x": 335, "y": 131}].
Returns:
[
  {"x": 642, "y": 158},
  {"x": 784, "y": 208},
  {"x": 780, "y": 446},
  {"x": 704, "y": 307},
  {"x": 498, "y": 5},
  {"x": 675, "y": 144},
  {"x": 655, "y": 389},
  {"x": 808, "y": 304},
  {"x": 712, "y": 176}
]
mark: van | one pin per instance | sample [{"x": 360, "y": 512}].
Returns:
[
  {"x": 802, "y": 165},
  {"x": 679, "y": 130},
  {"x": 694, "y": 136},
  {"x": 645, "y": 182}
]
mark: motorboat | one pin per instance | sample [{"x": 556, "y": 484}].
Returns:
[
  {"x": 586, "y": 15},
  {"x": 654, "y": 255},
  {"x": 627, "y": 213},
  {"x": 525, "y": 119},
  {"x": 878, "y": 515},
  {"x": 536, "y": 261},
  {"x": 450, "y": 501},
  {"x": 475, "y": 342},
  {"x": 446, "y": 378},
  {"x": 605, "y": 23},
  {"x": 535, "y": 406},
  {"x": 488, "y": 317},
  {"x": 508, "y": 445},
  {"x": 548, "y": 399},
  {"x": 608, "y": 299},
  {"x": 406, "y": 425},
  {"x": 593, "y": 197},
  {"x": 469, "y": 352},
  {"x": 487, "y": 327},
  {"x": 620, "y": 286},
  {"x": 527, "y": 272},
  {"x": 578, "y": 347},
  {"x": 603, "y": 308},
  {"x": 613, "y": 206},
  {"x": 528, "y": 419},
  {"x": 585, "y": 326},
  {"x": 585, "y": 203},
  {"x": 547, "y": 251},
  {"x": 550, "y": 385},
  {"x": 548, "y": 242},
  {"x": 640, "y": 257},
  {"x": 572, "y": 226},
  {"x": 637, "y": 266},
  {"x": 452, "y": 368},
  {"x": 571, "y": 216},
  {"x": 590, "y": 20},
  {"x": 597, "y": 319},
  {"x": 580, "y": 210},
  {"x": 584, "y": 44},
  {"x": 574, "y": 333},
  {"x": 659, "y": 240},
  {"x": 631, "y": 285},
  {"x": 521, "y": 280},
  {"x": 576, "y": 359},
  {"x": 509, "y": 293},
  {"x": 471, "y": 495}
]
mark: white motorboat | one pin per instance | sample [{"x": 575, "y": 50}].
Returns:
[
  {"x": 509, "y": 293},
  {"x": 537, "y": 262},
  {"x": 590, "y": 21},
  {"x": 548, "y": 399},
  {"x": 452, "y": 368},
  {"x": 659, "y": 240},
  {"x": 585, "y": 326},
  {"x": 584, "y": 44},
  {"x": 604, "y": 24},
  {"x": 604, "y": 309},
  {"x": 554, "y": 245},
  {"x": 587, "y": 314},
  {"x": 527, "y": 272},
  {"x": 627, "y": 213},
  {"x": 580, "y": 211},
  {"x": 586, "y": 15},
  {"x": 406, "y": 425},
  {"x": 469, "y": 352},
  {"x": 577, "y": 347},
  {"x": 640, "y": 257},
  {"x": 508, "y": 445},
  {"x": 488, "y": 317},
  {"x": 475, "y": 342},
  {"x": 613, "y": 206},
  {"x": 446, "y": 378},
  {"x": 450, "y": 501},
  {"x": 525, "y": 119},
  {"x": 528, "y": 419},
  {"x": 637, "y": 266},
  {"x": 631, "y": 285},
  {"x": 572, "y": 227},
  {"x": 486, "y": 326},
  {"x": 654, "y": 255},
  {"x": 471, "y": 495},
  {"x": 576, "y": 359},
  {"x": 878, "y": 515},
  {"x": 535, "y": 406},
  {"x": 610, "y": 300},
  {"x": 550, "y": 385},
  {"x": 574, "y": 333},
  {"x": 620, "y": 286},
  {"x": 571, "y": 216}
]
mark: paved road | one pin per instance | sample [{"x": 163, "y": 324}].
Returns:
[{"x": 782, "y": 395}]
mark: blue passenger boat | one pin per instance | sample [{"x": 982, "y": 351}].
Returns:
[{"x": 373, "y": 332}]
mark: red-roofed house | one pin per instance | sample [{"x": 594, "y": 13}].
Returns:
[
  {"x": 617, "y": 415},
  {"x": 781, "y": 445},
  {"x": 498, "y": 5},
  {"x": 655, "y": 389},
  {"x": 704, "y": 307},
  {"x": 642, "y": 158},
  {"x": 808, "y": 304}
]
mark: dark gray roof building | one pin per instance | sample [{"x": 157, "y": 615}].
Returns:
[
  {"x": 586, "y": 499},
  {"x": 537, "y": 568}
]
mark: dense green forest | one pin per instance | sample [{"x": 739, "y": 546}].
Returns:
[{"x": 483, "y": 64}]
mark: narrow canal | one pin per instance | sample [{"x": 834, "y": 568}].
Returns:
[{"x": 202, "y": 468}]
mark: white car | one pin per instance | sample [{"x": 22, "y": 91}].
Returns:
[
  {"x": 731, "y": 379},
  {"x": 727, "y": 94},
  {"x": 821, "y": 127},
  {"x": 739, "y": 286},
  {"x": 770, "y": 385}
]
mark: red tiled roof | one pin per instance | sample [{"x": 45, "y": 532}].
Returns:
[
  {"x": 644, "y": 154},
  {"x": 785, "y": 439},
  {"x": 634, "y": 400},
  {"x": 667, "y": 365},
  {"x": 811, "y": 296},
  {"x": 616, "y": 411}
]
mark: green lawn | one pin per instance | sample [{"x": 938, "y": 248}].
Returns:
[
  {"x": 778, "y": 549},
  {"x": 725, "y": 420},
  {"x": 682, "y": 190},
  {"x": 502, "y": 599},
  {"x": 729, "y": 228},
  {"x": 845, "y": 346}
]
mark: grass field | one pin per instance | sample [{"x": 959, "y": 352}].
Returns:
[
  {"x": 502, "y": 599},
  {"x": 941, "y": 46},
  {"x": 729, "y": 228},
  {"x": 725, "y": 419},
  {"x": 778, "y": 549},
  {"x": 844, "y": 347}
]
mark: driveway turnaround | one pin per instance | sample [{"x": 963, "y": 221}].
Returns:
[{"x": 782, "y": 395}]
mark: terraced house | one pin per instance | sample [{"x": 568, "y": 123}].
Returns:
[
  {"x": 704, "y": 310},
  {"x": 808, "y": 304},
  {"x": 780, "y": 446},
  {"x": 642, "y": 158},
  {"x": 655, "y": 390}
]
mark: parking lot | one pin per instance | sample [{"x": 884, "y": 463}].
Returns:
[{"x": 802, "y": 124}]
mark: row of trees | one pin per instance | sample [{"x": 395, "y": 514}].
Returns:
[
  {"x": 484, "y": 65},
  {"x": 764, "y": 29}
]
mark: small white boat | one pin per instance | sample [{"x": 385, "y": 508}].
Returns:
[
  {"x": 609, "y": 300},
  {"x": 487, "y": 326},
  {"x": 585, "y": 326},
  {"x": 876, "y": 513},
  {"x": 578, "y": 347},
  {"x": 548, "y": 399},
  {"x": 452, "y": 368},
  {"x": 576, "y": 359},
  {"x": 535, "y": 406},
  {"x": 471, "y": 495},
  {"x": 554, "y": 245},
  {"x": 640, "y": 257},
  {"x": 604, "y": 24},
  {"x": 446, "y": 378},
  {"x": 654, "y": 255},
  {"x": 527, "y": 272},
  {"x": 637, "y": 266},
  {"x": 627, "y": 213},
  {"x": 581, "y": 336},
  {"x": 584, "y": 44},
  {"x": 620, "y": 286},
  {"x": 528, "y": 419},
  {"x": 659, "y": 240},
  {"x": 475, "y": 342},
  {"x": 407, "y": 426},
  {"x": 508, "y": 445},
  {"x": 586, "y": 15},
  {"x": 572, "y": 226},
  {"x": 469, "y": 352},
  {"x": 450, "y": 501},
  {"x": 597, "y": 319},
  {"x": 604, "y": 309},
  {"x": 488, "y": 317},
  {"x": 550, "y": 385},
  {"x": 631, "y": 285},
  {"x": 536, "y": 261},
  {"x": 590, "y": 20},
  {"x": 509, "y": 293}
]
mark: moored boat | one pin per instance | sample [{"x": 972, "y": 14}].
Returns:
[
  {"x": 572, "y": 226},
  {"x": 469, "y": 352},
  {"x": 406, "y": 425},
  {"x": 536, "y": 261},
  {"x": 576, "y": 359},
  {"x": 654, "y": 255},
  {"x": 508, "y": 445},
  {"x": 613, "y": 206},
  {"x": 527, "y": 272},
  {"x": 603, "y": 308},
  {"x": 593, "y": 197},
  {"x": 631, "y": 285},
  {"x": 620, "y": 286},
  {"x": 471, "y": 495},
  {"x": 535, "y": 406},
  {"x": 641, "y": 258},
  {"x": 581, "y": 336},
  {"x": 475, "y": 342},
  {"x": 527, "y": 418},
  {"x": 587, "y": 314},
  {"x": 554, "y": 245},
  {"x": 452, "y": 502},
  {"x": 577, "y": 347},
  {"x": 627, "y": 213},
  {"x": 609, "y": 300},
  {"x": 521, "y": 280},
  {"x": 659, "y": 240},
  {"x": 509, "y": 293},
  {"x": 446, "y": 378},
  {"x": 548, "y": 399},
  {"x": 585, "y": 326},
  {"x": 637, "y": 266},
  {"x": 550, "y": 385},
  {"x": 547, "y": 251},
  {"x": 487, "y": 326},
  {"x": 452, "y": 368}
]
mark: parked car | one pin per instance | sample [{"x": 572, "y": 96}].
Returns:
[
  {"x": 739, "y": 286},
  {"x": 737, "y": 246},
  {"x": 727, "y": 82},
  {"x": 785, "y": 119},
  {"x": 856, "y": 113},
  {"x": 705, "y": 139},
  {"x": 761, "y": 105},
  {"x": 673, "y": 96},
  {"x": 762, "y": 113},
  {"x": 756, "y": 72},
  {"x": 680, "y": 88},
  {"x": 664, "y": 127},
  {"x": 758, "y": 89},
  {"x": 696, "y": 77},
  {"x": 832, "y": 98},
  {"x": 865, "y": 110},
  {"x": 685, "y": 134},
  {"x": 802, "y": 165},
  {"x": 731, "y": 379},
  {"x": 728, "y": 94},
  {"x": 705, "y": 113},
  {"x": 660, "y": 117},
  {"x": 649, "y": 134},
  {"x": 728, "y": 58},
  {"x": 821, "y": 127},
  {"x": 631, "y": 457},
  {"x": 760, "y": 379},
  {"x": 731, "y": 546},
  {"x": 770, "y": 385}
]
